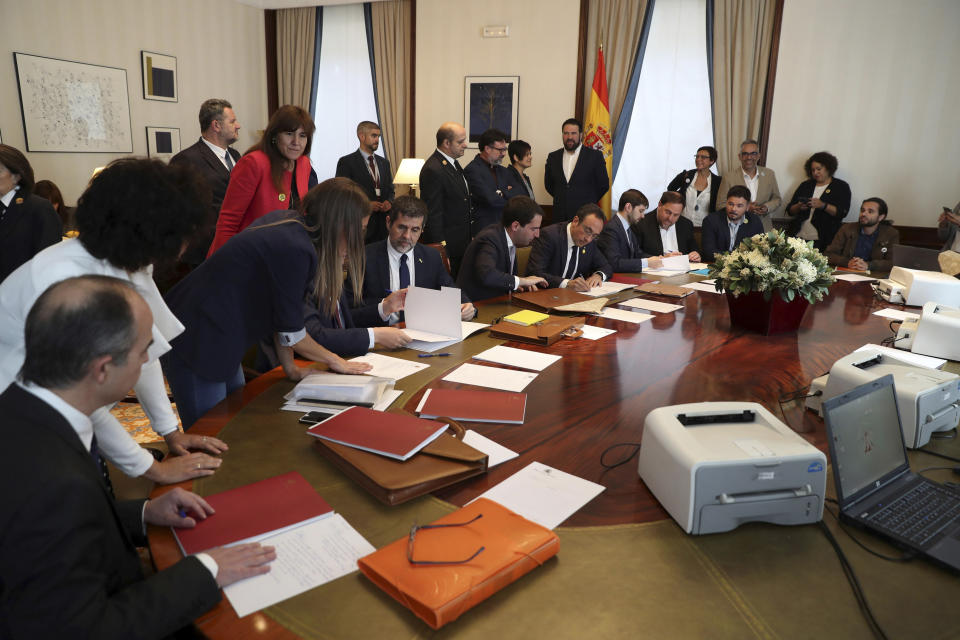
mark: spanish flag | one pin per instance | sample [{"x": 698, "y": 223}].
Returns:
[{"x": 597, "y": 128}]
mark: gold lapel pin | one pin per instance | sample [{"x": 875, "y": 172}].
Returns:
[{"x": 282, "y": 197}]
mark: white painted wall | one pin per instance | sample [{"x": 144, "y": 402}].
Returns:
[
  {"x": 541, "y": 49},
  {"x": 218, "y": 45},
  {"x": 874, "y": 82}
]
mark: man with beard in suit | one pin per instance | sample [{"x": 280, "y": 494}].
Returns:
[{"x": 575, "y": 175}]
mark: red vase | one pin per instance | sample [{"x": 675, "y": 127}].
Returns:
[{"x": 750, "y": 311}]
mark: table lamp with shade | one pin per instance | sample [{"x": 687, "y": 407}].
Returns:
[{"x": 408, "y": 173}]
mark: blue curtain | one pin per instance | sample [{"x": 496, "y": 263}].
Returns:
[
  {"x": 316, "y": 63},
  {"x": 620, "y": 133}
]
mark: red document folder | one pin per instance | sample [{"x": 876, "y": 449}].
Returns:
[
  {"x": 441, "y": 593},
  {"x": 477, "y": 406},
  {"x": 389, "y": 434},
  {"x": 252, "y": 511},
  {"x": 622, "y": 279}
]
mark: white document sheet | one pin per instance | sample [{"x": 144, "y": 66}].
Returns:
[
  {"x": 388, "y": 367},
  {"x": 696, "y": 266},
  {"x": 853, "y": 277},
  {"x": 429, "y": 347},
  {"x": 926, "y": 362},
  {"x": 521, "y": 358},
  {"x": 543, "y": 494},
  {"x": 307, "y": 557},
  {"x": 428, "y": 312},
  {"x": 387, "y": 399},
  {"x": 496, "y": 453},
  {"x": 651, "y": 305},
  {"x": 608, "y": 289},
  {"x": 625, "y": 316},
  {"x": 666, "y": 273},
  {"x": 420, "y": 336},
  {"x": 492, "y": 377},
  {"x": 591, "y": 332},
  {"x": 677, "y": 263},
  {"x": 710, "y": 281},
  {"x": 897, "y": 314},
  {"x": 700, "y": 286}
]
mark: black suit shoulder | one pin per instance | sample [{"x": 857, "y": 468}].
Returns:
[{"x": 30, "y": 225}]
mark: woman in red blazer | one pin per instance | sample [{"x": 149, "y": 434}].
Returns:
[{"x": 263, "y": 180}]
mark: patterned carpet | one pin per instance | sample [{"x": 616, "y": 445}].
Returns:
[{"x": 135, "y": 421}]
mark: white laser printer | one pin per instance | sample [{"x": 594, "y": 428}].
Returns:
[
  {"x": 934, "y": 334},
  {"x": 915, "y": 288},
  {"x": 929, "y": 400},
  {"x": 716, "y": 465}
]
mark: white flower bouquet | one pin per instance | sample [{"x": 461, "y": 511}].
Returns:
[{"x": 771, "y": 261}]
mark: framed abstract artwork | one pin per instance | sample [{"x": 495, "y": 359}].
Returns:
[
  {"x": 163, "y": 142},
  {"x": 159, "y": 76},
  {"x": 490, "y": 102},
  {"x": 73, "y": 106}
]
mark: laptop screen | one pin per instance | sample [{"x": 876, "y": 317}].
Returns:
[{"x": 866, "y": 444}]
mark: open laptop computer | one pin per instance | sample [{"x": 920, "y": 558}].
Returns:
[
  {"x": 875, "y": 487},
  {"x": 916, "y": 257}
]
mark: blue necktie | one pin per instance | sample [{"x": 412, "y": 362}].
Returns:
[
  {"x": 574, "y": 259},
  {"x": 404, "y": 272},
  {"x": 229, "y": 160},
  {"x": 733, "y": 235}
]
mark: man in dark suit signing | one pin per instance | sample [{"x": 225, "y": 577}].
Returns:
[
  {"x": 212, "y": 158},
  {"x": 565, "y": 254},
  {"x": 619, "y": 242},
  {"x": 444, "y": 189},
  {"x": 490, "y": 264},
  {"x": 372, "y": 173},
  {"x": 575, "y": 175},
  {"x": 69, "y": 563},
  {"x": 665, "y": 232},
  {"x": 724, "y": 230},
  {"x": 392, "y": 265},
  {"x": 489, "y": 182}
]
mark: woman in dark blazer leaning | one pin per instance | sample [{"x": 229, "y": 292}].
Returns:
[
  {"x": 521, "y": 157},
  {"x": 255, "y": 285},
  {"x": 699, "y": 187},
  {"x": 820, "y": 203},
  {"x": 28, "y": 223}
]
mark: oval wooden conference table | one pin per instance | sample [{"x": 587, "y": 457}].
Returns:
[{"x": 622, "y": 563}]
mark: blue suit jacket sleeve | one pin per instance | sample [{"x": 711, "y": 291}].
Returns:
[
  {"x": 712, "y": 235},
  {"x": 543, "y": 261},
  {"x": 348, "y": 341},
  {"x": 615, "y": 249}
]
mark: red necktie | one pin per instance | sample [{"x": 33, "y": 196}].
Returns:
[{"x": 373, "y": 172}]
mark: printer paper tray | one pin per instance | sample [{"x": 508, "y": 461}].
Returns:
[{"x": 716, "y": 518}]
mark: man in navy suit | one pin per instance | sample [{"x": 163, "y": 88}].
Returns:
[
  {"x": 724, "y": 230},
  {"x": 665, "y": 232},
  {"x": 372, "y": 173},
  {"x": 69, "y": 560},
  {"x": 398, "y": 262},
  {"x": 619, "y": 242},
  {"x": 575, "y": 175},
  {"x": 490, "y": 183},
  {"x": 444, "y": 189},
  {"x": 213, "y": 158},
  {"x": 565, "y": 254},
  {"x": 490, "y": 264}
]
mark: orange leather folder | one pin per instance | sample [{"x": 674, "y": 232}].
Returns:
[{"x": 441, "y": 593}]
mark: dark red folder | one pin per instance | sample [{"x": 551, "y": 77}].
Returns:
[
  {"x": 622, "y": 279},
  {"x": 254, "y": 510},
  {"x": 477, "y": 406},
  {"x": 393, "y": 435}
]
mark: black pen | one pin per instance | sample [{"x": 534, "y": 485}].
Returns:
[{"x": 432, "y": 355}]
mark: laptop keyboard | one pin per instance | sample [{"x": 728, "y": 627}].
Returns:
[{"x": 919, "y": 514}]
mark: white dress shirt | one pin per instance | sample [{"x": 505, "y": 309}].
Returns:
[
  {"x": 752, "y": 183},
  {"x": 65, "y": 260},
  {"x": 697, "y": 205},
  {"x": 375, "y": 174},
  {"x": 220, "y": 152},
  {"x": 570, "y": 161},
  {"x": 668, "y": 237}
]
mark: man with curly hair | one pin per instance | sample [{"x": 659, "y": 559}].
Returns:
[{"x": 134, "y": 214}]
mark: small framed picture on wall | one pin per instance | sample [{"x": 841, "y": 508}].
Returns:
[
  {"x": 159, "y": 76},
  {"x": 490, "y": 102},
  {"x": 163, "y": 142}
]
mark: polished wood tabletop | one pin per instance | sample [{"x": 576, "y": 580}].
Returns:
[{"x": 599, "y": 393}]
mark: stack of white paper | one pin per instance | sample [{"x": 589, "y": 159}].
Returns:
[
  {"x": 608, "y": 288},
  {"x": 897, "y": 314},
  {"x": 853, "y": 277},
  {"x": 387, "y": 367},
  {"x": 651, "y": 305},
  {"x": 672, "y": 265},
  {"x": 701, "y": 286},
  {"x": 387, "y": 399},
  {"x": 520, "y": 358},
  {"x": 625, "y": 316},
  {"x": 492, "y": 377},
  {"x": 433, "y": 318},
  {"x": 307, "y": 557},
  {"x": 543, "y": 494}
]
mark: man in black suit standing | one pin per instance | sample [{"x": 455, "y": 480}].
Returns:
[
  {"x": 213, "y": 158},
  {"x": 396, "y": 263},
  {"x": 665, "y": 232},
  {"x": 724, "y": 230},
  {"x": 565, "y": 254},
  {"x": 372, "y": 173},
  {"x": 489, "y": 182},
  {"x": 69, "y": 562},
  {"x": 490, "y": 264},
  {"x": 444, "y": 189},
  {"x": 575, "y": 175},
  {"x": 619, "y": 242}
]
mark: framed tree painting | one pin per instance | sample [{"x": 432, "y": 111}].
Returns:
[{"x": 490, "y": 102}]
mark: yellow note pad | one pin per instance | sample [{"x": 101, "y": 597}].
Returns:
[{"x": 526, "y": 318}]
